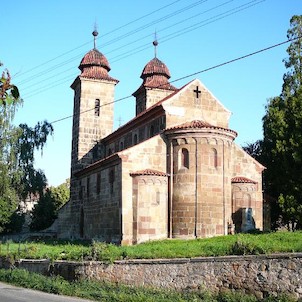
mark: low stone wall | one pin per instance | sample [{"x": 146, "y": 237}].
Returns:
[{"x": 259, "y": 275}]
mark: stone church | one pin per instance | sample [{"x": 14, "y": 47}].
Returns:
[{"x": 173, "y": 171}]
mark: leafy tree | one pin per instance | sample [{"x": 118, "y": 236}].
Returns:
[
  {"x": 46, "y": 210},
  {"x": 9, "y": 93},
  {"x": 18, "y": 178},
  {"x": 281, "y": 148}
]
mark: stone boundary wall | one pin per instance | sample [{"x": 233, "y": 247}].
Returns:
[{"x": 261, "y": 275}]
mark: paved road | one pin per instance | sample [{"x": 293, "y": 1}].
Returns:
[{"x": 10, "y": 293}]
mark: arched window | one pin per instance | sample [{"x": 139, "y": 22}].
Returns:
[
  {"x": 184, "y": 158},
  {"x": 97, "y": 107},
  {"x": 121, "y": 145},
  {"x": 213, "y": 158},
  {"x": 157, "y": 197}
]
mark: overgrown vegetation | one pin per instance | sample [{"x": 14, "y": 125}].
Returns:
[
  {"x": 241, "y": 244},
  {"x": 101, "y": 291}
]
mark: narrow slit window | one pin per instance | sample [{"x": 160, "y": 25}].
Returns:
[
  {"x": 185, "y": 158},
  {"x": 98, "y": 183},
  {"x": 214, "y": 158},
  {"x": 97, "y": 107},
  {"x": 111, "y": 180},
  {"x": 88, "y": 186}
]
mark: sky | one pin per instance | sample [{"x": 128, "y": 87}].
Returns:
[{"x": 43, "y": 42}]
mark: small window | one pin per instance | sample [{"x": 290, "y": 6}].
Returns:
[
  {"x": 185, "y": 158},
  {"x": 80, "y": 191},
  {"x": 98, "y": 183},
  {"x": 151, "y": 130},
  {"x": 213, "y": 158},
  {"x": 121, "y": 145},
  {"x": 157, "y": 197},
  {"x": 88, "y": 186},
  {"x": 97, "y": 107},
  {"x": 111, "y": 180},
  {"x": 135, "y": 139}
]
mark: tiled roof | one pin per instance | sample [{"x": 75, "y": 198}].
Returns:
[
  {"x": 97, "y": 73},
  {"x": 155, "y": 75},
  {"x": 155, "y": 66},
  {"x": 198, "y": 124},
  {"x": 94, "y": 58},
  {"x": 148, "y": 172},
  {"x": 241, "y": 179},
  {"x": 94, "y": 65}
]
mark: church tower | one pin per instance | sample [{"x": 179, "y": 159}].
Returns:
[
  {"x": 155, "y": 86},
  {"x": 93, "y": 107}
]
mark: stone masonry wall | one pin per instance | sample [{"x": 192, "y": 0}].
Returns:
[{"x": 259, "y": 275}]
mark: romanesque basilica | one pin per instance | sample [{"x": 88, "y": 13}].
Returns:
[{"x": 173, "y": 171}]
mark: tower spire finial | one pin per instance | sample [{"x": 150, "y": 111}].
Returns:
[
  {"x": 95, "y": 34},
  {"x": 155, "y": 43}
]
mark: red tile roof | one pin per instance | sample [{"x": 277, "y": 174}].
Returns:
[
  {"x": 241, "y": 179},
  {"x": 94, "y": 65},
  {"x": 155, "y": 75},
  {"x": 155, "y": 66},
  {"x": 198, "y": 124},
  {"x": 94, "y": 58},
  {"x": 148, "y": 172}
]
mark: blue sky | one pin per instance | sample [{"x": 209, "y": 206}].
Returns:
[{"x": 42, "y": 43}]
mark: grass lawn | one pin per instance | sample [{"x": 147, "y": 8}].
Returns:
[{"x": 241, "y": 244}]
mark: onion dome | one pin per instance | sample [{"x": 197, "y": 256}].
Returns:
[
  {"x": 156, "y": 75},
  {"x": 94, "y": 65}
]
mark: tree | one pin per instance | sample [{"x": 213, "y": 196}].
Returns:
[
  {"x": 18, "y": 178},
  {"x": 46, "y": 210},
  {"x": 282, "y": 136}
]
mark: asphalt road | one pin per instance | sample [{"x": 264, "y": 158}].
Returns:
[{"x": 10, "y": 293}]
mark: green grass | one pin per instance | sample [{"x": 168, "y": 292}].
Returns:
[
  {"x": 241, "y": 244},
  {"x": 101, "y": 291}
]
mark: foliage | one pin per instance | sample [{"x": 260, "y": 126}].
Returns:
[
  {"x": 18, "y": 177},
  {"x": 9, "y": 93},
  {"x": 291, "y": 211},
  {"x": 104, "y": 291},
  {"x": 281, "y": 148},
  {"x": 241, "y": 244},
  {"x": 46, "y": 210}
]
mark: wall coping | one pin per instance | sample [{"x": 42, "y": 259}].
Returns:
[{"x": 176, "y": 260}]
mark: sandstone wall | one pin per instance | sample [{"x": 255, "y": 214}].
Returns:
[{"x": 259, "y": 275}]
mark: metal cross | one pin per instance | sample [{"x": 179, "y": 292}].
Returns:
[{"x": 197, "y": 91}]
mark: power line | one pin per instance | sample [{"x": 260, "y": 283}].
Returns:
[
  {"x": 119, "y": 38},
  {"x": 192, "y": 74},
  {"x": 162, "y": 40},
  {"x": 106, "y": 34}
]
